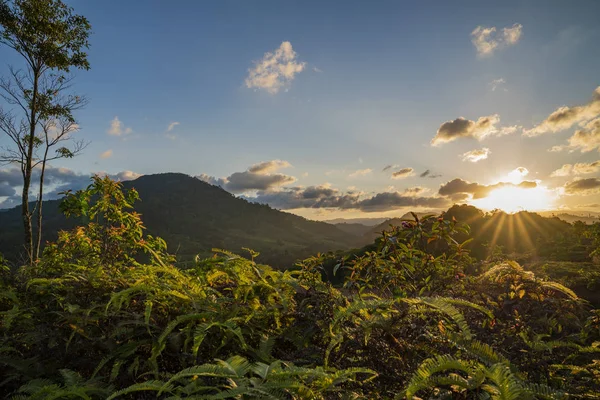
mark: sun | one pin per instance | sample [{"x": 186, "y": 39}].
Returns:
[{"x": 513, "y": 199}]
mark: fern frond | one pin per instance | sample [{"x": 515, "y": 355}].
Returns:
[{"x": 148, "y": 386}]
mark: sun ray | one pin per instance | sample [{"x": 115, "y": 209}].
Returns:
[
  {"x": 498, "y": 230},
  {"x": 510, "y": 230},
  {"x": 522, "y": 229},
  {"x": 535, "y": 225}
]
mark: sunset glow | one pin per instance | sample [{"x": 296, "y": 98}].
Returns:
[{"x": 513, "y": 199}]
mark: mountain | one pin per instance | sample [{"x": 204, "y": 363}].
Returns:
[
  {"x": 371, "y": 228},
  {"x": 194, "y": 216},
  {"x": 586, "y": 218},
  {"x": 353, "y": 228},
  {"x": 361, "y": 221}
]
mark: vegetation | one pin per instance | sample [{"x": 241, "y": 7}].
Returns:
[
  {"x": 193, "y": 216},
  {"x": 51, "y": 40},
  {"x": 104, "y": 313}
]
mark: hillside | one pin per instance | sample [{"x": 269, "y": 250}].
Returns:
[{"x": 194, "y": 216}]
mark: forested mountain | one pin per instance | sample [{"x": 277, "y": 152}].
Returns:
[{"x": 194, "y": 216}]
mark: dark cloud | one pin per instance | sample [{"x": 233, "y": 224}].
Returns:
[
  {"x": 11, "y": 177},
  {"x": 393, "y": 200},
  {"x": 239, "y": 182},
  {"x": 452, "y": 130},
  {"x": 388, "y": 167},
  {"x": 429, "y": 174},
  {"x": 10, "y": 202},
  {"x": 464, "y": 128},
  {"x": 459, "y": 188},
  {"x": 414, "y": 191},
  {"x": 582, "y": 186},
  {"x": 310, "y": 197},
  {"x": 56, "y": 180},
  {"x": 403, "y": 173},
  {"x": 6, "y": 190},
  {"x": 327, "y": 197},
  {"x": 258, "y": 177},
  {"x": 266, "y": 167}
]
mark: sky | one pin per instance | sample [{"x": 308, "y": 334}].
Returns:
[{"x": 343, "y": 109}]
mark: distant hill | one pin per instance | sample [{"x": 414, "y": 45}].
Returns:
[
  {"x": 194, "y": 216},
  {"x": 371, "y": 232},
  {"x": 520, "y": 232},
  {"x": 586, "y": 219},
  {"x": 353, "y": 228},
  {"x": 361, "y": 221}
]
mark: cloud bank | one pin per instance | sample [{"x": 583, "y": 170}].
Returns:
[
  {"x": 461, "y": 189},
  {"x": 56, "y": 180},
  {"x": 259, "y": 176}
]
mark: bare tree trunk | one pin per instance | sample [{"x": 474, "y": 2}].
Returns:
[
  {"x": 26, "y": 214},
  {"x": 38, "y": 243}
]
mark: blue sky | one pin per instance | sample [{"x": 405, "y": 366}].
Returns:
[{"x": 377, "y": 81}]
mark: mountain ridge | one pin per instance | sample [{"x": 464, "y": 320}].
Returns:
[{"x": 194, "y": 216}]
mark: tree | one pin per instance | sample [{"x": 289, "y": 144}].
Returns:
[{"x": 52, "y": 40}]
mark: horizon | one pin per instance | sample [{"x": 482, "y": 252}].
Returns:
[
  {"x": 498, "y": 107},
  {"x": 369, "y": 220}
]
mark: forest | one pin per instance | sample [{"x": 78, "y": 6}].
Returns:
[
  {"x": 171, "y": 286},
  {"x": 104, "y": 314}
]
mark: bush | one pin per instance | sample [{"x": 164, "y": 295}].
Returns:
[{"x": 105, "y": 314}]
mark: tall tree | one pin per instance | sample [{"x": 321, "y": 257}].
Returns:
[{"x": 52, "y": 40}]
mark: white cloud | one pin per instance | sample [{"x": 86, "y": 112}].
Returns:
[
  {"x": 565, "y": 117},
  {"x": 513, "y": 34},
  {"x": 360, "y": 172},
  {"x": 487, "y": 39},
  {"x": 275, "y": 71},
  {"x": 106, "y": 154},
  {"x": 476, "y": 155},
  {"x": 577, "y": 169},
  {"x": 117, "y": 128},
  {"x": 172, "y": 125},
  {"x": 496, "y": 83},
  {"x": 565, "y": 170},
  {"x": 517, "y": 174},
  {"x": 557, "y": 149}
]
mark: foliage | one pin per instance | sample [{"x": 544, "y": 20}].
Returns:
[
  {"x": 51, "y": 40},
  {"x": 194, "y": 217},
  {"x": 106, "y": 314}
]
